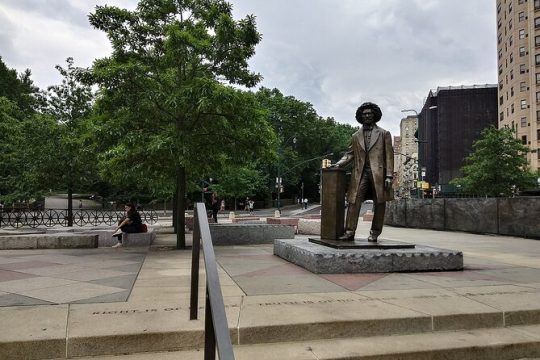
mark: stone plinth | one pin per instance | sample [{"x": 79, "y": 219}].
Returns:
[{"x": 321, "y": 259}]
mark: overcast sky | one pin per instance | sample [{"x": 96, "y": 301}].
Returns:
[{"x": 334, "y": 54}]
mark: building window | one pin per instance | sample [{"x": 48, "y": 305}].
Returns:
[
  {"x": 537, "y": 41},
  {"x": 524, "y": 139},
  {"x": 509, "y": 8},
  {"x": 536, "y": 4},
  {"x": 520, "y": 2},
  {"x": 523, "y": 122},
  {"x": 510, "y": 25},
  {"x": 538, "y": 115},
  {"x": 538, "y": 134},
  {"x": 512, "y": 108},
  {"x": 499, "y": 39},
  {"x": 523, "y": 104},
  {"x": 538, "y": 96},
  {"x": 537, "y": 22},
  {"x": 522, "y": 34},
  {"x": 512, "y": 91},
  {"x": 538, "y": 78},
  {"x": 511, "y": 74},
  {"x": 522, "y": 86},
  {"x": 500, "y": 54},
  {"x": 501, "y": 100},
  {"x": 500, "y": 85},
  {"x": 500, "y": 69},
  {"x": 511, "y": 57},
  {"x": 521, "y": 16},
  {"x": 522, "y": 51},
  {"x": 537, "y": 57},
  {"x": 511, "y": 40},
  {"x": 501, "y": 115},
  {"x": 522, "y": 69}
]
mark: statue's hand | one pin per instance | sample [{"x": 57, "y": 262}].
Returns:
[{"x": 388, "y": 182}]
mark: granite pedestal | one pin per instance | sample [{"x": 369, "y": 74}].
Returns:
[{"x": 374, "y": 258}]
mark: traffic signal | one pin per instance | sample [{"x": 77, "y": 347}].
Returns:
[{"x": 326, "y": 163}]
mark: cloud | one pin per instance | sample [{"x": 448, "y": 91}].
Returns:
[
  {"x": 338, "y": 54},
  {"x": 333, "y": 54}
]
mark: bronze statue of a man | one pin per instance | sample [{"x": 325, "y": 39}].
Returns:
[{"x": 372, "y": 157}]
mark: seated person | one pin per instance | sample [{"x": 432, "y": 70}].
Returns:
[{"x": 130, "y": 224}]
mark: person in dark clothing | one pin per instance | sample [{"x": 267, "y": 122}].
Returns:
[
  {"x": 131, "y": 223},
  {"x": 216, "y": 205}
]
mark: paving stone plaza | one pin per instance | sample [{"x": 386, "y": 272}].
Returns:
[{"x": 93, "y": 303}]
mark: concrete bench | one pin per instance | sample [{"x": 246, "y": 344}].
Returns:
[
  {"x": 139, "y": 239},
  {"x": 309, "y": 226},
  {"x": 49, "y": 241},
  {"x": 249, "y": 234}
]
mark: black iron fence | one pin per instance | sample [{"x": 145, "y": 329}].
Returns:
[{"x": 50, "y": 217}]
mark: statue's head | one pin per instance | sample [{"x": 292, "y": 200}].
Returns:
[{"x": 377, "y": 113}]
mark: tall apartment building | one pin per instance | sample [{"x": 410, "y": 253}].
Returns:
[
  {"x": 450, "y": 121},
  {"x": 518, "y": 49},
  {"x": 407, "y": 158}
]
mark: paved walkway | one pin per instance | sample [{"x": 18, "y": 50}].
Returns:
[{"x": 267, "y": 299}]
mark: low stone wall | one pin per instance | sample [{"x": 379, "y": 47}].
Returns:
[
  {"x": 245, "y": 219},
  {"x": 48, "y": 241},
  {"x": 249, "y": 234},
  {"x": 284, "y": 221},
  {"x": 505, "y": 216}
]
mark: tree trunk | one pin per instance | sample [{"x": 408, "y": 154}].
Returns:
[
  {"x": 70, "y": 206},
  {"x": 175, "y": 211},
  {"x": 180, "y": 207}
]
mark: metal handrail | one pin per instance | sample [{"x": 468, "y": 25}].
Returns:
[{"x": 216, "y": 327}]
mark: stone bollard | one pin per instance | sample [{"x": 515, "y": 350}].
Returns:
[{"x": 277, "y": 213}]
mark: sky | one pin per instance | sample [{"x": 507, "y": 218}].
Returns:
[{"x": 334, "y": 54}]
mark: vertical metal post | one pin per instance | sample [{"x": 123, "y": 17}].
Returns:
[
  {"x": 209, "y": 331},
  {"x": 195, "y": 255}
]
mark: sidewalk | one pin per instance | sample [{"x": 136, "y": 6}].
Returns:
[{"x": 267, "y": 299}]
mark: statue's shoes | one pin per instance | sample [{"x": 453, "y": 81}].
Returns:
[
  {"x": 372, "y": 238},
  {"x": 348, "y": 236}
]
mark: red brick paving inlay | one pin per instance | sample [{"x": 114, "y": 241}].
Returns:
[
  {"x": 26, "y": 265},
  {"x": 353, "y": 281},
  {"x": 13, "y": 275}
]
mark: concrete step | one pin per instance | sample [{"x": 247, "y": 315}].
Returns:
[
  {"x": 511, "y": 343},
  {"x": 122, "y": 328}
]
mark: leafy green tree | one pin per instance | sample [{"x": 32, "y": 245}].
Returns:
[
  {"x": 497, "y": 166},
  {"x": 18, "y": 88},
  {"x": 71, "y": 162},
  {"x": 238, "y": 182},
  {"x": 17, "y": 147},
  {"x": 299, "y": 161},
  {"x": 166, "y": 114}
]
